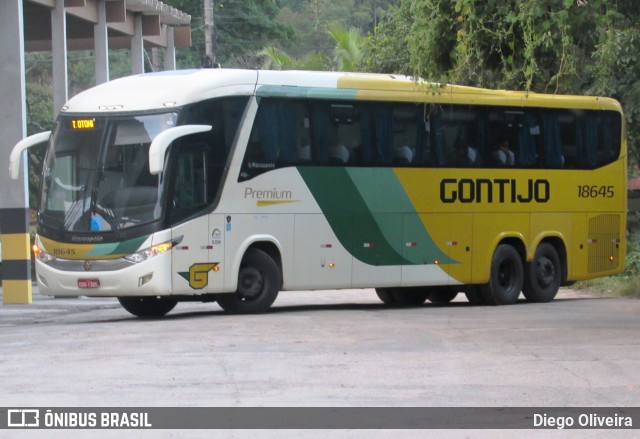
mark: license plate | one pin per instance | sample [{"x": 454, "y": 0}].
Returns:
[{"x": 88, "y": 283}]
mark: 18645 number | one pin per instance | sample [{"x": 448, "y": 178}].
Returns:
[{"x": 586, "y": 191}]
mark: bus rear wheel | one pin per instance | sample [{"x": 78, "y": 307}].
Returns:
[
  {"x": 543, "y": 275},
  {"x": 259, "y": 281},
  {"x": 506, "y": 278},
  {"x": 148, "y": 306}
]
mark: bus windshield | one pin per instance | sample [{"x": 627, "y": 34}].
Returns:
[{"x": 96, "y": 173}]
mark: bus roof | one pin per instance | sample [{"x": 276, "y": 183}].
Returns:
[{"x": 161, "y": 90}]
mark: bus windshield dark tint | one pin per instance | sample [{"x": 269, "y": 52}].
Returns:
[{"x": 96, "y": 174}]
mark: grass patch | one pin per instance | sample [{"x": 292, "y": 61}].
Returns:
[{"x": 612, "y": 286}]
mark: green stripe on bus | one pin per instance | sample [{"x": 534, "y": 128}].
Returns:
[
  {"x": 370, "y": 213},
  {"x": 117, "y": 248},
  {"x": 305, "y": 92}
]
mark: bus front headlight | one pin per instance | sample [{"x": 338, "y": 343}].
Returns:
[
  {"x": 150, "y": 252},
  {"x": 39, "y": 252}
]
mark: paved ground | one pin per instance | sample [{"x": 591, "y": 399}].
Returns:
[{"x": 325, "y": 348}]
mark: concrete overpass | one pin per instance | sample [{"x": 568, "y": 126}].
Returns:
[{"x": 60, "y": 26}]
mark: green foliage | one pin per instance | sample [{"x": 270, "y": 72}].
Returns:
[
  {"x": 312, "y": 18},
  {"x": 347, "y": 53},
  {"x": 39, "y": 118},
  {"x": 385, "y": 50},
  {"x": 275, "y": 59},
  {"x": 615, "y": 68},
  {"x": 632, "y": 267},
  {"x": 520, "y": 44}
]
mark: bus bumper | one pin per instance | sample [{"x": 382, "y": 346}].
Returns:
[{"x": 148, "y": 278}]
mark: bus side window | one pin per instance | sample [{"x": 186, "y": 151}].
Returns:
[
  {"x": 384, "y": 123},
  {"x": 404, "y": 134},
  {"x": 553, "y": 155},
  {"x": 451, "y": 139},
  {"x": 280, "y": 137},
  {"x": 530, "y": 140},
  {"x": 608, "y": 137},
  {"x": 346, "y": 126},
  {"x": 338, "y": 132},
  {"x": 191, "y": 192}
]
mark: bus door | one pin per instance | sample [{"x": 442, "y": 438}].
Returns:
[{"x": 192, "y": 263}]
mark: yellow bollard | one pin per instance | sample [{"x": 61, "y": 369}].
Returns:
[{"x": 16, "y": 257}]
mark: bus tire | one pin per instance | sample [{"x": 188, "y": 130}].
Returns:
[
  {"x": 403, "y": 297},
  {"x": 442, "y": 294},
  {"x": 385, "y": 295},
  {"x": 474, "y": 295},
  {"x": 506, "y": 278},
  {"x": 543, "y": 275},
  {"x": 414, "y": 296},
  {"x": 148, "y": 306},
  {"x": 259, "y": 282}
]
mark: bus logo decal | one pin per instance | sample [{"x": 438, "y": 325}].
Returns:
[
  {"x": 198, "y": 274},
  {"x": 467, "y": 190}
]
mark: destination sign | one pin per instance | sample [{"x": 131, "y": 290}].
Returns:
[{"x": 83, "y": 124}]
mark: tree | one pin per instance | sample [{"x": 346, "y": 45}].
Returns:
[
  {"x": 385, "y": 50},
  {"x": 243, "y": 27},
  {"x": 276, "y": 59},
  {"x": 347, "y": 53}
]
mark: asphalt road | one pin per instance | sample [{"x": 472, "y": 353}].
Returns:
[{"x": 325, "y": 348}]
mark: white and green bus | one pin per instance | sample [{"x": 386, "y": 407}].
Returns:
[{"x": 232, "y": 185}]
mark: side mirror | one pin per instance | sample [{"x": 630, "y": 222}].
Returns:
[
  {"x": 162, "y": 141},
  {"x": 18, "y": 149}
]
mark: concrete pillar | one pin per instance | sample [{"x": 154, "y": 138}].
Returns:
[
  {"x": 59, "y": 56},
  {"x": 170, "y": 51},
  {"x": 101, "y": 44},
  {"x": 14, "y": 206},
  {"x": 137, "y": 47}
]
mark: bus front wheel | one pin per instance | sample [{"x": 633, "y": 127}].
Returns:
[
  {"x": 506, "y": 278},
  {"x": 259, "y": 281},
  {"x": 148, "y": 306},
  {"x": 387, "y": 297},
  {"x": 442, "y": 294},
  {"x": 543, "y": 275},
  {"x": 404, "y": 297}
]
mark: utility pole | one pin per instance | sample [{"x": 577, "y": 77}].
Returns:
[
  {"x": 374, "y": 10},
  {"x": 209, "y": 33}
]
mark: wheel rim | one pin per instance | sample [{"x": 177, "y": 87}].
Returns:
[
  {"x": 250, "y": 283},
  {"x": 545, "y": 272},
  {"x": 506, "y": 274}
]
